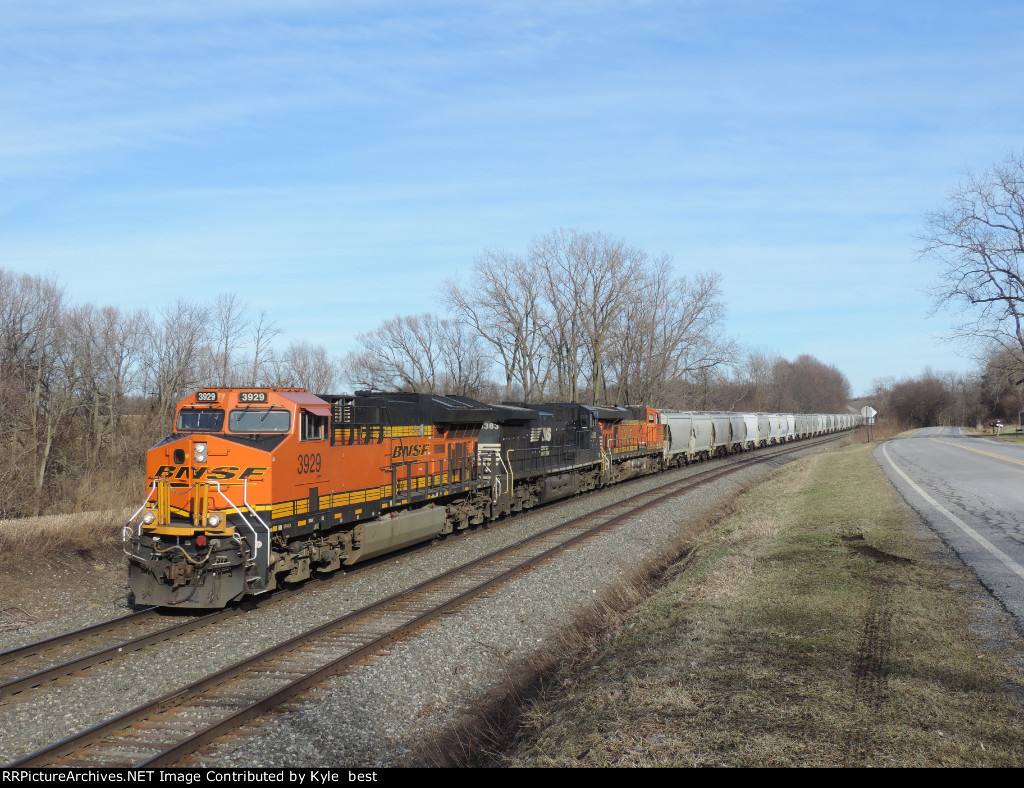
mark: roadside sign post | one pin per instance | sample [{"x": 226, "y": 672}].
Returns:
[{"x": 869, "y": 414}]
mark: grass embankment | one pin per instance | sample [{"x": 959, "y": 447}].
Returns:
[
  {"x": 54, "y": 564},
  {"x": 28, "y": 538},
  {"x": 815, "y": 627},
  {"x": 1008, "y": 437}
]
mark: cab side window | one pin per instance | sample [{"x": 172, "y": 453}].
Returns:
[{"x": 312, "y": 427}]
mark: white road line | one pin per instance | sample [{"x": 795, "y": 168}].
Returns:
[{"x": 1010, "y": 564}]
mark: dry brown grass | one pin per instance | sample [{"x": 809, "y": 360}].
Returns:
[
  {"x": 27, "y": 538},
  {"x": 815, "y": 627},
  {"x": 881, "y": 430}
]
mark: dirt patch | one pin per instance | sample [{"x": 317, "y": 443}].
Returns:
[
  {"x": 61, "y": 592},
  {"x": 59, "y": 572},
  {"x": 880, "y": 555}
]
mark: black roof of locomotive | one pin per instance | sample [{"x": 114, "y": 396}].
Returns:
[
  {"x": 600, "y": 412},
  {"x": 409, "y": 408},
  {"x": 504, "y": 412},
  {"x": 405, "y": 408}
]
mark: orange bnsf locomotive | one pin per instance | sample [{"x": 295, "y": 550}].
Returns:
[{"x": 255, "y": 487}]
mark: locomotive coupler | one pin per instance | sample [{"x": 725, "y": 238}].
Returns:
[{"x": 180, "y": 573}]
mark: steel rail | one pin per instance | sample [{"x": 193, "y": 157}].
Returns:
[
  {"x": 107, "y": 653},
  {"x": 20, "y": 652}
]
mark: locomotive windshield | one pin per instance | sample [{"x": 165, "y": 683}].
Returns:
[
  {"x": 196, "y": 420},
  {"x": 260, "y": 420}
]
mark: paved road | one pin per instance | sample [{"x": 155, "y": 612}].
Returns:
[{"x": 970, "y": 490}]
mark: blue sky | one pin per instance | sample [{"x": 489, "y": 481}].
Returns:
[{"x": 334, "y": 162}]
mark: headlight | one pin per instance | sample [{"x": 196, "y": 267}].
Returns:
[
  {"x": 199, "y": 451},
  {"x": 213, "y": 520},
  {"x": 148, "y": 517}
]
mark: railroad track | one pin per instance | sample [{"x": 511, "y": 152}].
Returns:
[
  {"x": 170, "y": 728},
  {"x": 36, "y": 663},
  {"x": 33, "y": 656}
]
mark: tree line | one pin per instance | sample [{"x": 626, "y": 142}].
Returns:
[
  {"x": 578, "y": 316},
  {"x": 995, "y": 390},
  {"x": 766, "y": 382},
  {"x": 85, "y": 390}
]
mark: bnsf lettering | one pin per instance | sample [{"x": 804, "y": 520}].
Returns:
[
  {"x": 220, "y": 474},
  {"x": 402, "y": 452}
]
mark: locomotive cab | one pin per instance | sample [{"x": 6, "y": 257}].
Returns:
[{"x": 204, "y": 534}]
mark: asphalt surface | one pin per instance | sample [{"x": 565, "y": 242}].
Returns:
[{"x": 970, "y": 491}]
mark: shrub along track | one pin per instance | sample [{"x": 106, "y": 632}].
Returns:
[{"x": 169, "y": 728}]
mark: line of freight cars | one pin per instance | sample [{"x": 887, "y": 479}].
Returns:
[{"x": 257, "y": 487}]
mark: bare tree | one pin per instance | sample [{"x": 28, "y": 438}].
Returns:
[
  {"x": 583, "y": 315},
  {"x": 178, "y": 353},
  {"x": 808, "y": 385},
  {"x": 748, "y": 386},
  {"x": 108, "y": 347},
  {"x": 229, "y": 323},
  {"x": 422, "y": 353},
  {"x": 403, "y": 353},
  {"x": 464, "y": 367},
  {"x": 39, "y": 378},
  {"x": 920, "y": 402},
  {"x": 978, "y": 241},
  {"x": 669, "y": 331},
  {"x": 560, "y": 265},
  {"x": 503, "y": 304},
  {"x": 758, "y": 372},
  {"x": 588, "y": 281},
  {"x": 307, "y": 366},
  {"x": 1000, "y": 387},
  {"x": 262, "y": 331}
]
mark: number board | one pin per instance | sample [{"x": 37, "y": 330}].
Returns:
[
  {"x": 252, "y": 396},
  {"x": 206, "y": 396}
]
